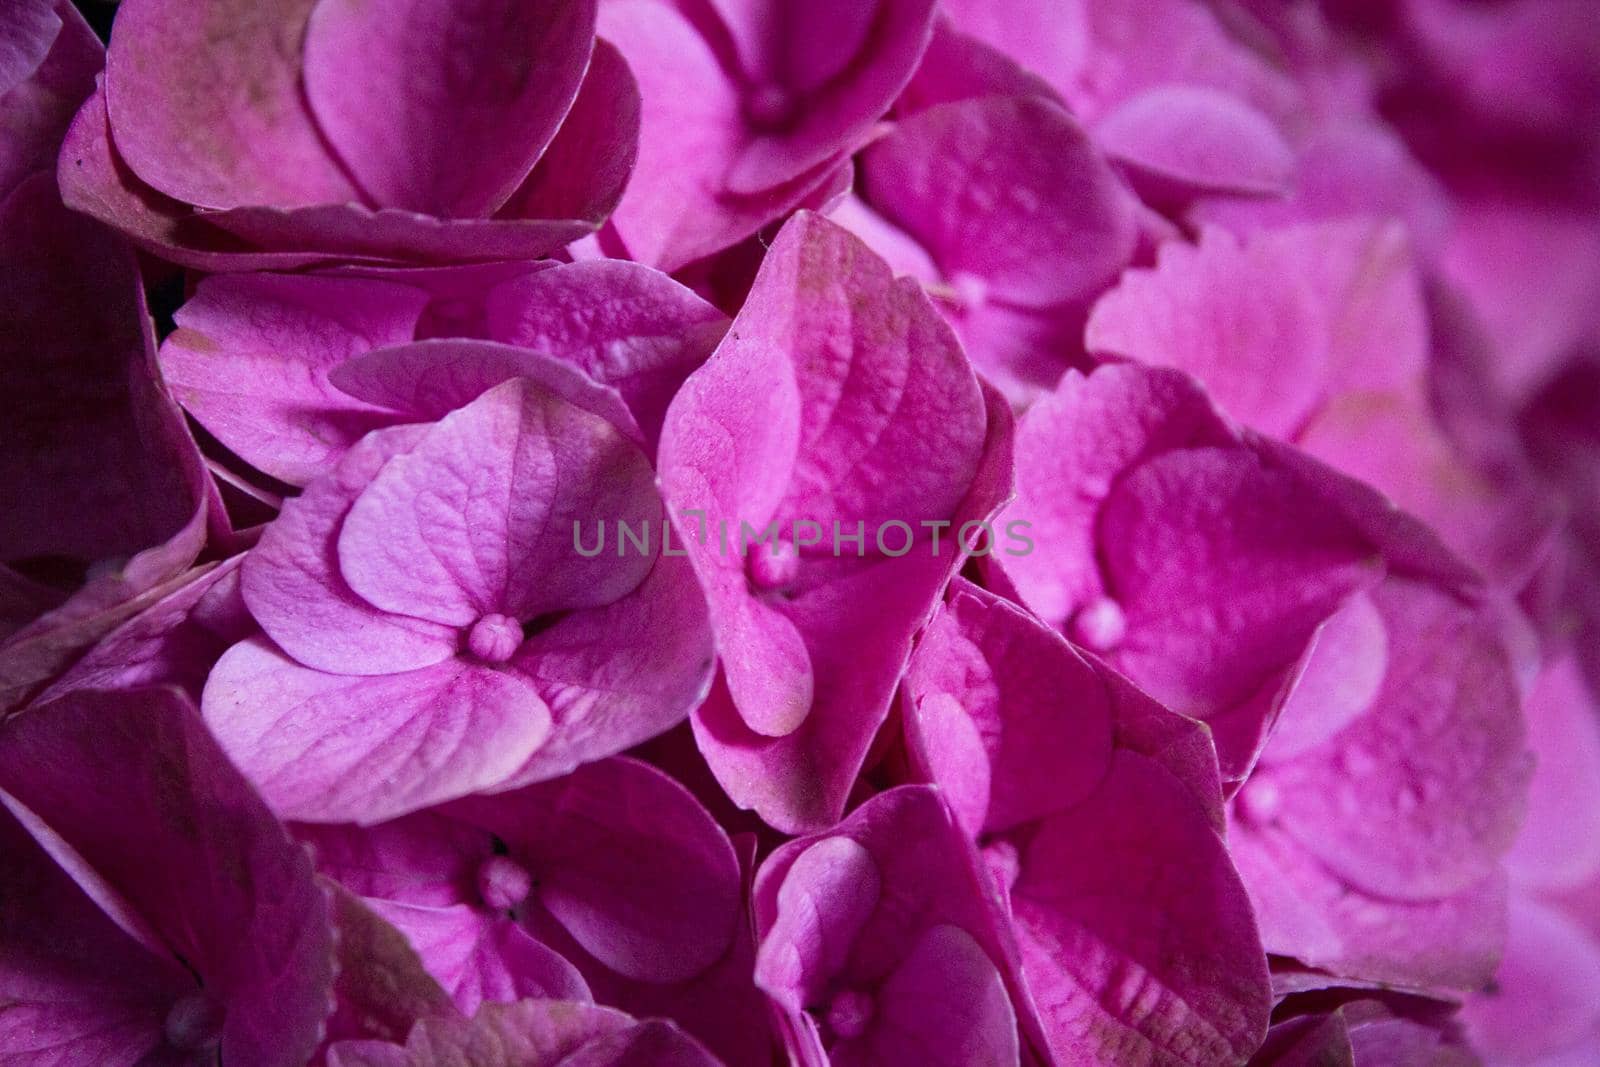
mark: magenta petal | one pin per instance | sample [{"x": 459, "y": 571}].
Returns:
[
  {"x": 479, "y": 517},
  {"x": 946, "y": 1004},
  {"x": 1546, "y": 993},
  {"x": 234, "y": 897},
  {"x": 478, "y": 958},
  {"x": 293, "y": 587},
  {"x": 1201, "y": 990},
  {"x": 351, "y": 748},
  {"x": 585, "y": 837},
  {"x": 251, "y": 357},
  {"x": 1558, "y": 846},
  {"x": 472, "y": 93},
  {"x": 31, "y": 27},
  {"x": 624, "y": 325},
  {"x": 1008, "y": 190},
  {"x": 1179, "y": 141},
  {"x": 208, "y": 108}
]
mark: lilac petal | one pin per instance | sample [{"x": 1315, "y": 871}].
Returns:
[
  {"x": 826, "y": 898},
  {"x": 1040, "y": 712},
  {"x": 479, "y": 958},
  {"x": 839, "y": 91},
  {"x": 479, "y": 517},
  {"x": 427, "y": 380},
  {"x": 1438, "y": 768},
  {"x": 946, "y": 1004},
  {"x": 417, "y": 738},
  {"x": 586, "y": 168},
  {"x": 1306, "y": 1041},
  {"x": 487, "y": 82},
  {"x": 1179, "y": 141},
  {"x": 37, "y": 109},
  {"x": 1008, "y": 190},
  {"x": 584, "y": 838},
  {"x": 234, "y": 897},
  {"x": 424, "y": 859},
  {"x": 207, "y": 105},
  {"x": 73, "y": 982},
  {"x": 381, "y": 989},
  {"x": 622, "y": 324},
  {"x": 251, "y": 356},
  {"x": 292, "y": 584},
  {"x": 1201, "y": 990}
]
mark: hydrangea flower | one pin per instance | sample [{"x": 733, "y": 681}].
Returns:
[
  {"x": 838, "y": 406},
  {"x": 881, "y": 942},
  {"x": 1094, "y": 808},
  {"x": 781, "y": 95},
  {"x": 243, "y": 135},
  {"x": 426, "y": 611}
]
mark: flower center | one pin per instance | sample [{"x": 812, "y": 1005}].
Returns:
[
  {"x": 494, "y": 638},
  {"x": 194, "y": 1023},
  {"x": 1099, "y": 625},
  {"x": 849, "y": 1012},
  {"x": 772, "y": 565},
  {"x": 768, "y": 106},
  {"x": 503, "y": 883}
]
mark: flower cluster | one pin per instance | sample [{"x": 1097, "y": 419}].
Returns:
[{"x": 872, "y": 533}]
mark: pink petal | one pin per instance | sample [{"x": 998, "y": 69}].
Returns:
[
  {"x": 843, "y": 63},
  {"x": 487, "y": 81},
  {"x": 1558, "y": 846},
  {"x": 337, "y": 748},
  {"x": 47, "y": 69},
  {"x": 825, "y": 900},
  {"x": 945, "y": 1004},
  {"x": 585, "y": 837},
  {"x": 1220, "y": 573},
  {"x": 1438, "y": 768},
  {"x": 1112, "y": 985},
  {"x": 381, "y": 989},
  {"x": 207, "y": 105},
  {"x": 1341, "y": 677},
  {"x": 479, "y": 958},
  {"x": 587, "y": 166},
  {"x": 251, "y": 356},
  {"x": 292, "y": 584},
  {"x": 72, "y": 980},
  {"x": 1546, "y": 993},
  {"x": 624, "y": 325},
  {"x": 427, "y": 380},
  {"x": 478, "y": 518},
  {"x": 1180, "y": 141},
  {"x": 617, "y": 676},
  {"x": 233, "y": 896},
  {"x": 1008, "y": 190},
  {"x": 1039, "y": 711}
]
